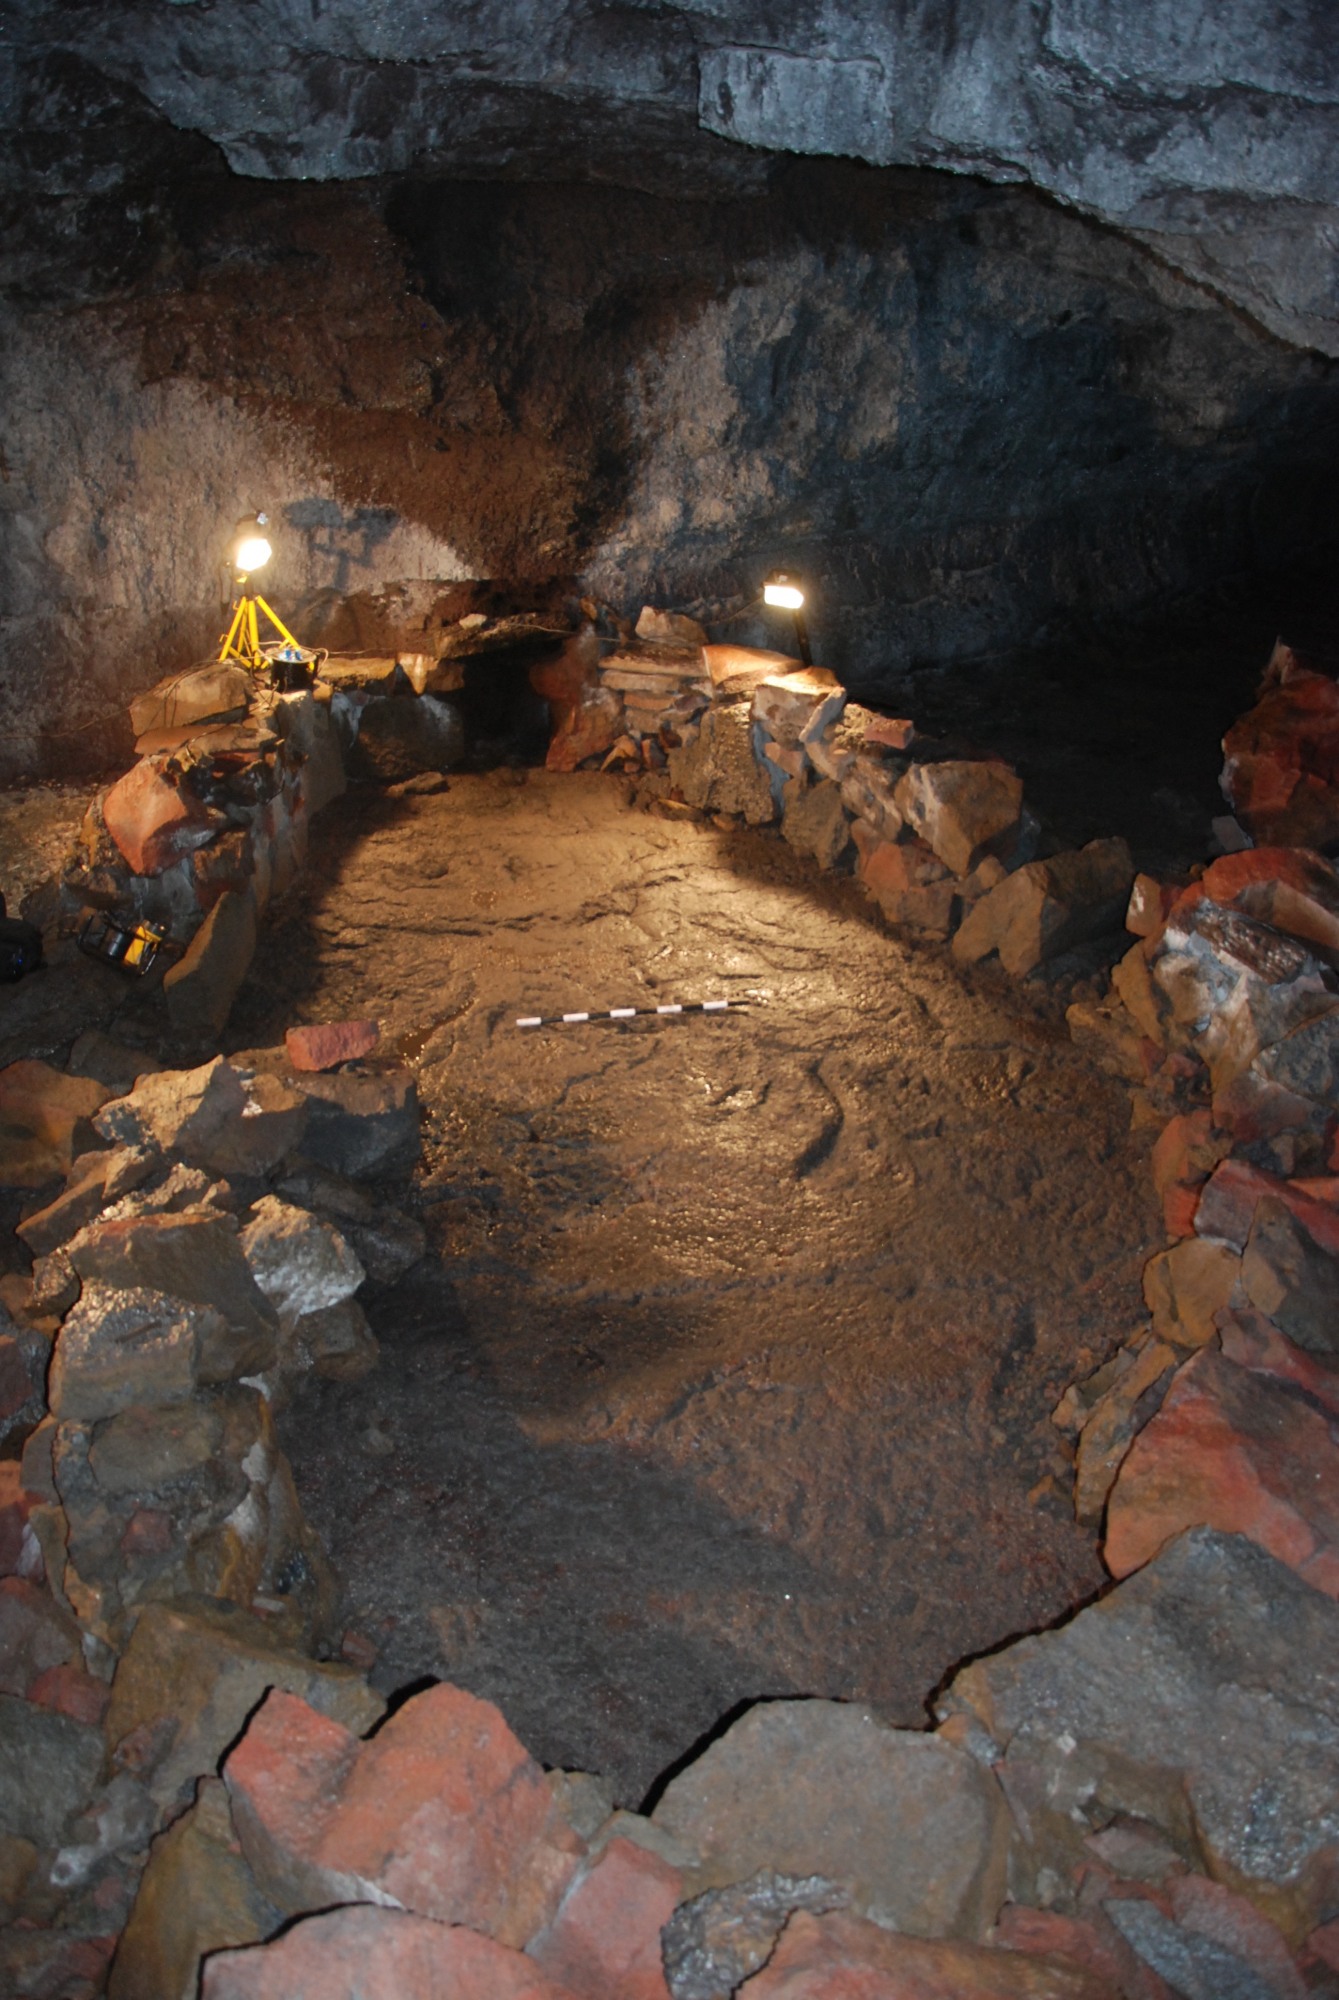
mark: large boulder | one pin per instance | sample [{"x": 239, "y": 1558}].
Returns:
[
  {"x": 195, "y": 1255},
  {"x": 718, "y": 771},
  {"x": 300, "y": 1263},
  {"x": 1047, "y": 907},
  {"x": 361, "y": 1125},
  {"x": 1198, "y": 1696},
  {"x": 916, "y": 1828},
  {"x": 219, "y": 692},
  {"x": 1281, "y": 774},
  {"x": 154, "y": 817},
  {"x": 201, "y": 987},
  {"x": 961, "y": 810},
  {"x": 377, "y": 1954},
  {"x": 1241, "y": 1450},
  {"x": 442, "y": 1812}
]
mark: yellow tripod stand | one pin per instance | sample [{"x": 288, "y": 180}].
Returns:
[{"x": 241, "y": 641}]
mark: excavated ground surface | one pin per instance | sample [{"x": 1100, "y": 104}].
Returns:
[{"x": 731, "y": 1375}]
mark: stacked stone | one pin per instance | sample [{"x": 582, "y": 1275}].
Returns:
[
  {"x": 1224, "y": 1408},
  {"x": 208, "y": 826},
  {"x": 156, "y": 1571}
]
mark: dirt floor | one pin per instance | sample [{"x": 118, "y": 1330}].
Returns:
[{"x": 731, "y": 1372}]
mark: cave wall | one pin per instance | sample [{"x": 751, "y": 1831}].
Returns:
[{"x": 974, "y": 419}]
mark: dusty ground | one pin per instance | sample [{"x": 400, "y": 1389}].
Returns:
[{"x": 733, "y": 1373}]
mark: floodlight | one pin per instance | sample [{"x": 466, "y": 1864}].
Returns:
[
  {"x": 250, "y": 550},
  {"x": 783, "y": 592}
]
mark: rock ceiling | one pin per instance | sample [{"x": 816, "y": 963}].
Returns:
[{"x": 1207, "y": 131}]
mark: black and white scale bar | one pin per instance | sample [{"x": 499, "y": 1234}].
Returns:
[{"x": 627, "y": 1013}]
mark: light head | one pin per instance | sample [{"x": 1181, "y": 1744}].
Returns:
[
  {"x": 781, "y": 590},
  {"x": 250, "y": 545}
]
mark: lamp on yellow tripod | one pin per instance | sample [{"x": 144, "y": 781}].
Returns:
[{"x": 251, "y": 551}]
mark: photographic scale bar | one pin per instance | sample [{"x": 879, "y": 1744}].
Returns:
[{"x": 628, "y": 1013}]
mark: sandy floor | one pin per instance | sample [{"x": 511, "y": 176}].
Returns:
[{"x": 732, "y": 1375}]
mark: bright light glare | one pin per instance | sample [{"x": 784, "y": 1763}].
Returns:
[
  {"x": 253, "y": 552},
  {"x": 786, "y": 596}
]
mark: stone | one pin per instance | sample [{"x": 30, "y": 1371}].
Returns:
[
  {"x": 1186, "y": 1287},
  {"x": 1150, "y": 901},
  {"x": 94, "y": 1180},
  {"x": 915, "y": 1828},
  {"x": 1046, "y": 907},
  {"x": 892, "y": 871},
  {"x": 1306, "y": 1060},
  {"x": 122, "y": 1346},
  {"x": 959, "y": 809},
  {"x": 337, "y": 1342},
  {"x": 1281, "y": 768},
  {"x": 1234, "y": 1191},
  {"x": 1105, "y": 1031},
  {"x": 49, "y": 1962},
  {"x": 300, "y": 1263},
  {"x": 45, "y": 1119},
  {"x": 842, "y": 1957},
  {"x": 205, "y": 1666},
  {"x": 196, "y": 1256},
  {"x": 270, "y": 1125},
  {"x": 201, "y": 987},
  {"x": 669, "y": 628},
  {"x": 24, "y": 1355},
  {"x": 1114, "y": 1422},
  {"x": 307, "y": 726},
  {"x": 712, "y": 1943},
  {"x": 814, "y": 821},
  {"x": 196, "y": 1896},
  {"x": 1220, "y": 1732},
  {"x": 737, "y": 670},
  {"x": 786, "y": 705},
  {"x": 590, "y": 728},
  {"x": 361, "y": 1125},
  {"x": 154, "y": 819},
  {"x": 1210, "y": 1944},
  {"x": 442, "y": 1812},
  {"x": 604, "y": 1938},
  {"x": 49, "y": 1767},
  {"x": 401, "y": 735},
  {"x": 36, "y": 1634},
  {"x": 177, "y": 1111},
  {"x": 1090, "y": 1942},
  {"x": 718, "y": 772},
  {"x": 377, "y": 1954},
  {"x": 69, "y": 1690},
  {"x": 1238, "y": 1451},
  {"x": 20, "y": 1554},
  {"x": 55, "y": 1286},
  {"x": 388, "y": 1246},
  {"x": 1288, "y": 1277},
  {"x": 330, "y": 1043},
  {"x": 216, "y": 693},
  {"x": 869, "y": 793},
  {"x": 1187, "y": 1150}
]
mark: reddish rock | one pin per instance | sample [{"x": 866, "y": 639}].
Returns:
[
  {"x": 154, "y": 821},
  {"x": 1205, "y": 1940},
  {"x": 442, "y": 1811},
  {"x": 605, "y": 1938},
  {"x": 1180, "y": 1205},
  {"x": 1187, "y": 1151},
  {"x": 1239, "y": 1451},
  {"x": 1281, "y": 774},
  {"x": 841, "y": 1957},
  {"x": 1251, "y": 1341},
  {"x": 34, "y": 1634},
  {"x": 45, "y": 1118},
  {"x": 589, "y": 729},
  {"x": 1227, "y": 1206},
  {"x": 890, "y": 732},
  {"x": 326, "y": 1045},
  {"x": 374, "y": 1954},
  {"x": 1091, "y": 1943},
  {"x": 70, "y": 1691}
]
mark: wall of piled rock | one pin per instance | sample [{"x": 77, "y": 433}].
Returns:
[
  {"x": 1140, "y": 1802},
  {"x": 975, "y": 421}
]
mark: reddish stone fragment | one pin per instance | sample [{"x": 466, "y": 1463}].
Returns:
[
  {"x": 330, "y": 1043},
  {"x": 154, "y": 821},
  {"x": 891, "y": 732},
  {"x": 70, "y": 1691},
  {"x": 1281, "y": 776},
  {"x": 842, "y": 1957},
  {"x": 1252, "y": 1341},
  {"x": 443, "y": 1812},
  {"x": 1187, "y": 1151},
  {"x": 890, "y": 867},
  {"x": 1235, "y": 1450},
  {"x": 373, "y": 1954},
  {"x": 589, "y": 729},
  {"x": 1149, "y": 906},
  {"x": 605, "y": 1939},
  {"x": 1090, "y": 1942},
  {"x": 1180, "y": 1205},
  {"x": 1227, "y": 1206},
  {"x": 148, "y": 1532}
]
